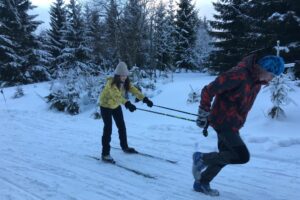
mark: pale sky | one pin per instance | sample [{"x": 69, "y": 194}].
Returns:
[{"x": 205, "y": 9}]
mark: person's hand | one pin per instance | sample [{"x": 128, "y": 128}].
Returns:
[
  {"x": 148, "y": 102},
  {"x": 202, "y": 120},
  {"x": 130, "y": 106}
]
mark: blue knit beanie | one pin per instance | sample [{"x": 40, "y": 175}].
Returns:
[{"x": 273, "y": 64}]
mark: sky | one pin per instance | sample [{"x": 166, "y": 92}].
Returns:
[{"x": 205, "y": 9}]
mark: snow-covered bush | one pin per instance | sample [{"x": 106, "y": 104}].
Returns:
[
  {"x": 19, "y": 92},
  {"x": 74, "y": 90},
  {"x": 297, "y": 70},
  {"x": 92, "y": 86},
  {"x": 279, "y": 88},
  {"x": 137, "y": 75},
  {"x": 97, "y": 113},
  {"x": 193, "y": 97},
  {"x": 142, "y": 80},
  {"x": 64, "y": 97}
]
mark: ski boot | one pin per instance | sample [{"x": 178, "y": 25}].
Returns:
[
  {"x": 130, "y": 150},
  {"x": 205, "y": 188},
  {"x": 108, "y": 159}
]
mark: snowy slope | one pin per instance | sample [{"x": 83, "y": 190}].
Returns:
[{"x": 45, "y": 154}]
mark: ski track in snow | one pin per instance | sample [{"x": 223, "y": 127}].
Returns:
[{"x": 44, "y": 155}]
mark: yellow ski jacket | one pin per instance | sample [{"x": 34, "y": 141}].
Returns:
[{"x": 111, "y": 97}]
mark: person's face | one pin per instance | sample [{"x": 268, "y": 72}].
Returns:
[
  {"x": 123, "y": 78},
  {"x": 265, "y": 76}
]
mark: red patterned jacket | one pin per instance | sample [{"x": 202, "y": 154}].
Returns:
[{"x": 234, "y": 92}]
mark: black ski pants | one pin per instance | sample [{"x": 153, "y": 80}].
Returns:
[
  {"x": 232, "y": 150},
  {"x": 107, "y": 115}
]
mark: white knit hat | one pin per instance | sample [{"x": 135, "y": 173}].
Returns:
[{"x": 121, "y": 69}]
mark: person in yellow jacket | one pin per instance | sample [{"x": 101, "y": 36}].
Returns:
[{"x": 110, "y": 100}]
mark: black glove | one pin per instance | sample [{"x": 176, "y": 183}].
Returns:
[
  {"x": 130, "y": 106},
  {"x": 148, "y": 102},
  {"x": 136, "y": 100},
  {"x": 201, "y": 120}
]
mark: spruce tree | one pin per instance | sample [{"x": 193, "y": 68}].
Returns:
[
  {"x": 55, "y": 34},
  {"x": 134, "y": 28},
  {"x": 93, "y": 34},
  {"x": 19, "y": 48},
  {"x": 112, "y": 33},
  {"x": 160, "y": 37},
  {"x": 231, "y": 30},
  {"x": 75, "y": 55},
  {"x": 171, "y": 35},
  {"x": 203, "y": 44},
  {"x": 186, "y": 35},
  {"x": 280, "y": 88},
  {"x": 11, "y": 60},
  {"x": 277, "y": 20}
]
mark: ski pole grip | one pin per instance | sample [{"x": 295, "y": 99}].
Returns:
[{"x": 205, "y": 132}]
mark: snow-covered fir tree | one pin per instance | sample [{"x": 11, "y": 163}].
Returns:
[
  {"x": 93, "y": 34},
  {"x": 112, "y": 35},
  {"x": 231, "y": 30},
  {"x": 203, "y": 44},
  {"x": 171, "y": 34},
  {"x": 241, "y": 27},
  {"x": 280, "y": 87},
  {"x": 283, "y": 23},
  {"x": 11, "y": 61},
  {"x": 134, "y": 29},
  {"x": 186, "y": 35},
  {"x": 19, "y": 49},
  {"x": 75, "y": 63},
  {"x": 55, "y": 34},
  {"x": 160, "y": 37},
  {"x": 76, "y": 54}
]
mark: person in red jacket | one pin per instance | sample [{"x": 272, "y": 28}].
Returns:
[{"x": 234, "y": 93}]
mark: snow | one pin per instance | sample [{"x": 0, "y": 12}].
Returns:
[
  {"x": 282, "y": 17},
  {"x": 278, "y": 16},
  {"x": 44, "y": 153},
  {"x": 289, "y": 65}
]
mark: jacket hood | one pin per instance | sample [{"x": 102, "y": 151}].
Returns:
[{"x": 249, "y": 62}]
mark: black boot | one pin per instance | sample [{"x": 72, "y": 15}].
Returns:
[
  {"x": 130, "y": 150},
  {"x": 107, "y": 158}
]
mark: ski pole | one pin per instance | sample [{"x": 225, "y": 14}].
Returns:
[
  {"x": 3, "y": 95},
  {"x": 191, "y": 120},
  {"x": 205, "y": 132},
  {"x": 137, "y": 100},
  {"x": 175, "y": 110}
]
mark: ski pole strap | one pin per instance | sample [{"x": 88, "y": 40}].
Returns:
[
  {"x": 191, "y": 120},
  {"x": 175, "y": 110}
]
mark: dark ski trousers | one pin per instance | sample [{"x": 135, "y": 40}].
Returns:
[
  {"x": 107, "y": 115},
  {"x": 232, "y": 150}
]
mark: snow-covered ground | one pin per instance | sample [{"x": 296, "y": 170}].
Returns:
[{"x": 45, "y": 154}]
